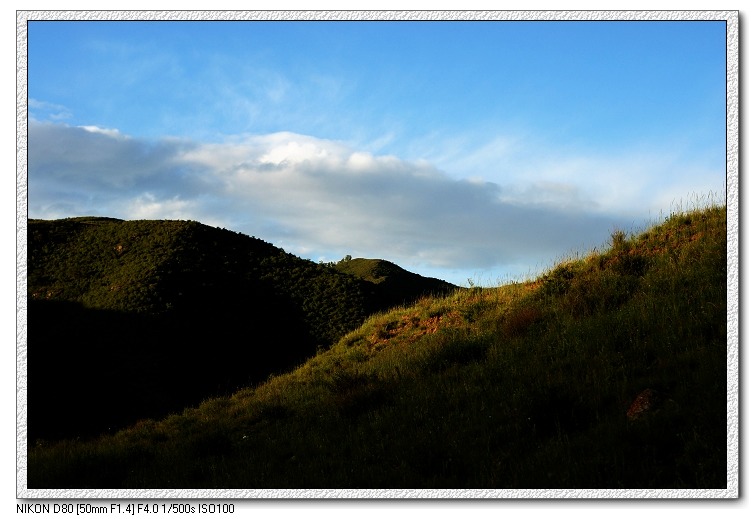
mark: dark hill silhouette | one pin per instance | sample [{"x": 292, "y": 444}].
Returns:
[
  {"x": 394, "y": 286},
  {"x": 152, "y": 316}
]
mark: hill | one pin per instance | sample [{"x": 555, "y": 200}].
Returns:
[
  {"x": 393, "y": 286},
  {"x": 134, "y": 319},
  {"x": 609, "y": 371}
]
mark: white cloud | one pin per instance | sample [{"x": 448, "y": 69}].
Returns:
[
  {"x": 315, "y": 197},
  {"x": 104, "y": 131},
  {"x": 147, "y": 207}
]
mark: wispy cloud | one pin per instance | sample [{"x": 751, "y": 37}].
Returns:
[
  {"x": 50, "y": 111},
  {"x": 628, "y": 179}
]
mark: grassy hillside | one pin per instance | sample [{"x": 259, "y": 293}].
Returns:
[
  {"x": 528, "y": 385},
  {"x": 135, "y": 319}
]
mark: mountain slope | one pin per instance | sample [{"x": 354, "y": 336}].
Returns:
[
  {"x": 607, "y": 372},
  {"x": 134, "y": 319},
  {"x": 159, "y": 267}
]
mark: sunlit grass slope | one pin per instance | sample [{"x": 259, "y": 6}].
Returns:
[{"x": 527, "y": 385}]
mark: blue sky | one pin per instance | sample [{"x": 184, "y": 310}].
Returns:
[{"x": 482, "y": 150}]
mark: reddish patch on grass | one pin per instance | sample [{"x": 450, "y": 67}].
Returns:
[
  {"x": 412, "y": 327},
  {"x": 520, "y": 320}
]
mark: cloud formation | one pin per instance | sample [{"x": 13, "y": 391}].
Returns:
[{"x": 314, "y": 197}]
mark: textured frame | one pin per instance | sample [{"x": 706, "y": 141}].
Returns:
[{"x": 732, "y": 203}]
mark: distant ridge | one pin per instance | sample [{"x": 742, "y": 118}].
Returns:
[{"x": 394, "y": 285}]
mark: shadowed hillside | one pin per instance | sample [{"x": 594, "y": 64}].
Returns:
[
  {"x": 134, "y": 319},
  {"x": 609, "y": 371}
]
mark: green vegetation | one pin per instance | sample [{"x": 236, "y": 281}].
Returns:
[
  {"x": 526, "y": 385},
  {"x": 159, "y": 315},
  {"x": 154, "y": 267}
]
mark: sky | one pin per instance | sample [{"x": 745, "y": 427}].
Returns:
[{"x": 475, "y": 152}]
